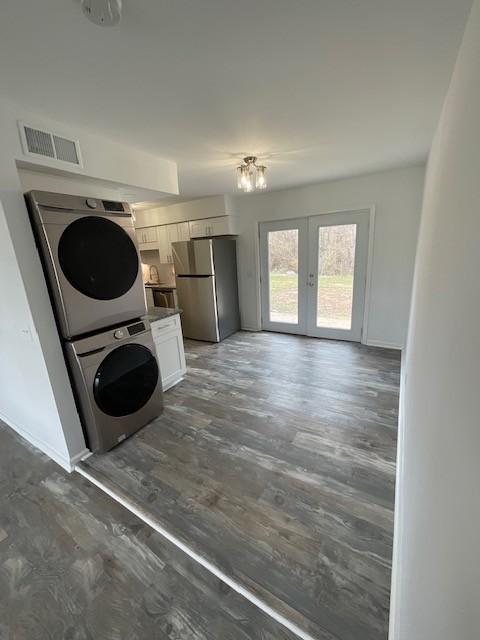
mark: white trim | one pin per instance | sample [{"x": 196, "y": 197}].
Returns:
[
  {"x": 368, "y": 281},
  {"x": 206, "y": 564},
  {"x": 66, "y": 463},
  {"x": 398, "y": 527},
  {"x": 172, "y": 380},
  {"x": 384, "y": 345},
  {"x": 255, "y": 330},
  {"x": 83, "y": 455},
  {"x": 258, "y": 268}
]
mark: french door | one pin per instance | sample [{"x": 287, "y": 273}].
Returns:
[{"x": 313, "y": 273}]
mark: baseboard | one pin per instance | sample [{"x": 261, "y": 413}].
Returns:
[
  {"x": 83, "y": 455},
  {"x": 66, "y": 463},
  {"x": 171, "y": 381},
  {"x": 255, "y": 330},
  {"x": 384, "y": 345}
]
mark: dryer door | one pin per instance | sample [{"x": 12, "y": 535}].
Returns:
[
  {"x": 98, "y": 258},
  {"x": 125, "y": 380}
]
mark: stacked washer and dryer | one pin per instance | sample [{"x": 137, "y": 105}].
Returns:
[{"x": 92, "y": 266}]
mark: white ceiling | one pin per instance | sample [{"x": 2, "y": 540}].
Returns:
[{"x": 317, "y": 88}]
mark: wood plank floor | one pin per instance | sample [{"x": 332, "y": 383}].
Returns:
[
  {"x": 75, "y": 565},
  {"x": 275, "y": 460}
]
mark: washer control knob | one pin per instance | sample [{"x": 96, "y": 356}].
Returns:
[
  {"x": 91, "y": 203},
  {"x": 119, "y": 334}
]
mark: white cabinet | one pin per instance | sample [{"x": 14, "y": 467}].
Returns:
[
  {"x": 183, "y": 231},
  {"x": 167, "y": 335},
  {"x": 172, "y": 236},
  {"x": 147, "y": 238},
  {"x": 163, "y": 244},
  {"x": 221, "y": 226},
  {"x": 169, "y": 233}
]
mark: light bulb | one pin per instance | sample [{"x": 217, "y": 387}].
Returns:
[
  {"x": 240, "y": 179},
  {"x": 261, "y": 182}
]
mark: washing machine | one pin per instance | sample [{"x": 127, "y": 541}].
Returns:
[
  {"x": 117, "y": 383},
  {"x": 91, "y": 261}
]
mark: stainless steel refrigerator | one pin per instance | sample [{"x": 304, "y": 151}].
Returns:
[{"x": 207, "y": 290}]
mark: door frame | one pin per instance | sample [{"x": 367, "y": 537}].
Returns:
[{"x": 371, "y": 209}]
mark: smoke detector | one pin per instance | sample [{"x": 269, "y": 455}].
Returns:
[{"x": 105, "y": 13}]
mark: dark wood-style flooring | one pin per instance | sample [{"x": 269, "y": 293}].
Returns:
[
  {"x": 275, "y": 460},
  {"x": 75, "y": 565}
]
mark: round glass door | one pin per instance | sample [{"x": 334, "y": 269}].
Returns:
[
  {"x": 126, "y": 380},
  {"x": 98, "y": 258}
]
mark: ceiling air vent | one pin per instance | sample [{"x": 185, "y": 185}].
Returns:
[{"x": 40, "y": 142}]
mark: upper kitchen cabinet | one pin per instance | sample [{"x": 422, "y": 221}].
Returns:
[
  {"x": 221, "y": 226},
  {"x": 183, "y": 231},
  {"x": 164, "y": 246},
  {"x": 167, "y": 235},
  {"x": 147, "y": 238}
]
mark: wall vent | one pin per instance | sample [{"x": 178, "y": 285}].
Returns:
[{"x": 41, "y": 142}]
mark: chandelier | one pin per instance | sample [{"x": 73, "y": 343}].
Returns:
[{"x": 251, "y": 175}]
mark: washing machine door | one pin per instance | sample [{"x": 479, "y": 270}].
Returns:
[{"x": 125, "y": 380}]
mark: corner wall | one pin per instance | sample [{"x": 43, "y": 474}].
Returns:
[
  {"x": 436, "y": 568},
  {"x": 396, "y": 195}
]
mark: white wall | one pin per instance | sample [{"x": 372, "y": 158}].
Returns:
[
  {"x": 436, "y": 578},
  {"x": 397, "y": 198},
  {"x": 35, "y": 394},
  {"x": 35, "y": 397},
  {"x": 103, "y": 159}
]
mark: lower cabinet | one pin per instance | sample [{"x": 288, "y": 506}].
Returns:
[{"x": 167, "y": 335}]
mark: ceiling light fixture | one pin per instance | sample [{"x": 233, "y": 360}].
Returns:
[
  {"x": 251, "y": 175},
  {"x": 105, "y": 13}
]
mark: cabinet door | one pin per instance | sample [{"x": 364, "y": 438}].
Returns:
[
  {"x": 151, "y": 233},
  {"x": 172, "y": 232},
  {"x": 171, "y": 359},
  {"x": 221, "y": 226},
  {"x": 173, "y": 236},
  {"x": 183, "y": 231},
  {"x": 163, "y": 243},
  {"x": 167, "y": 335},
  {"x": 147, "y": 237},
  {"x": 198, "y": 229}
]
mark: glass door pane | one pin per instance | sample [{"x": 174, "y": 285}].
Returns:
[
  {"x": 283, "y": 275},
  {"x": 336, "y": 266}
]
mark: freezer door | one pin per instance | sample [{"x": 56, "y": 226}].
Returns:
[
  {"x": 197, "y": 299},
  {"x": 193, "y": 258}
]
